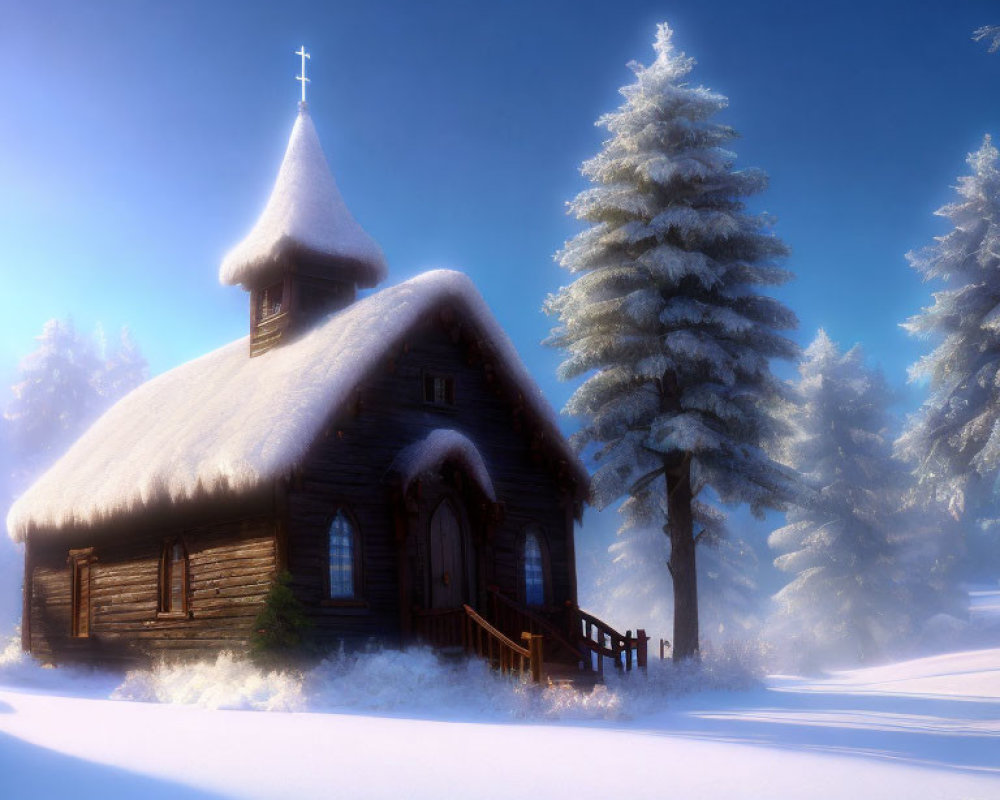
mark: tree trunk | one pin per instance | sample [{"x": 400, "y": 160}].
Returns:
[{"x": 680, "y": 529}]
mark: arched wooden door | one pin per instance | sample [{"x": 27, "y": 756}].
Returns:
[{"x": 448, "y": 557}]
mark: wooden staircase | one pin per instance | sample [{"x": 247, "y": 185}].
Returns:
[{"x": 515, "y": 638}]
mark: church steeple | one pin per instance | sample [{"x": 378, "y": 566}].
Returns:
[{"x": 306, "y": 255}]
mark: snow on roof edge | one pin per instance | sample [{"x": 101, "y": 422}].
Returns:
[
  {"x": 210, "y": 452},
  {"x": 437, "y": 447}
]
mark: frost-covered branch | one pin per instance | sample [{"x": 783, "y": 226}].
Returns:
[
  {"x": 954, "y": 439},
  {"x": 990, "y": 33}
]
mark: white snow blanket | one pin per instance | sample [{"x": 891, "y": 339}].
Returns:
[
  {"x": 398, "y": 727},
  {"x": 305, "y": 210},
  {"x": 228, "y": 421}
]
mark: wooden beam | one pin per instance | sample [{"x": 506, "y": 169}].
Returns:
[{"x": 26, "y": 598}]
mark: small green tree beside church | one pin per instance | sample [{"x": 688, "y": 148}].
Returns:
[{"x": 278, "y": 630}]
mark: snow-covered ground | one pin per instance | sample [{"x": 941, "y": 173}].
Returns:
[{"x": 401, "y": 725}]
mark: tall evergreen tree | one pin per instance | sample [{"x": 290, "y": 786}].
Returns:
[
  {"x": 665, "y": 317},
  {"x": 954, "y": 439},
  {"x": 863, "y": 574}
]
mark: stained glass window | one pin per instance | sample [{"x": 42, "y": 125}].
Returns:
[
  {"x": 534, "y": 571},
  {"x": 341, "y": 557}
]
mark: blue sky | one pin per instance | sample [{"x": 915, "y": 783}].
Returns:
[{"x": 139, "y": 141}]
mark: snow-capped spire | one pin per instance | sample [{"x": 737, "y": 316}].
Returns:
[{"x": 305, "y": 218}]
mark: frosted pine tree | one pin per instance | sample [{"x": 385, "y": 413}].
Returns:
[
  {"x": 62, "y": 386},
  {"x": 665, "y": 317},
  {"x": 954, "y": 439},
  {"x": 54, "y": 397},
  {"x": 124, "y": 367},
  {"x": 846, "y": 547}
]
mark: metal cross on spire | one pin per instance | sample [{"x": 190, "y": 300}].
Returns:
[{"x": 302, "y": 52}]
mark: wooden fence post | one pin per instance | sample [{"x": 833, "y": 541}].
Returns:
[{"x": 641, "y": 652}]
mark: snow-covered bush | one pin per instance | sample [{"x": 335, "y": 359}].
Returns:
[
  {"x": 228, "y": 682},
  {"x": 417, "y": 681}
]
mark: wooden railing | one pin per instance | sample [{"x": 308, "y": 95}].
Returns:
[
  {"x": 595, "y": 640},
  {"x": 512, "y": 618},
  {"x": 483, "y": 640},
  {"x": 625, "y": 650}
]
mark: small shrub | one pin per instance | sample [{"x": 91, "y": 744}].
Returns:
[{"x": 278, "y": 630}]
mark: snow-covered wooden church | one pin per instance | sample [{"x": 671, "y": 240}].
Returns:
[{"x": 390, "y": 451}]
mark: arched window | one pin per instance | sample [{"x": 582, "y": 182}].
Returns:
[
  {"x": 173, "y": 577},
  {"x": 534, "y": 569},
  {"x": 343, "y": 562}
]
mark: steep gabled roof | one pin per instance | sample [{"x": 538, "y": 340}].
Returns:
[
  {"x": 226, "y": 421},
  {"x": 306, "y": 215}
]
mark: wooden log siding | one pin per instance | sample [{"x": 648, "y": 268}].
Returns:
[
  {"x": 231, "y": 565},
  {"x": 233, "y": 558},
  {"x": 349, "y": 465}
]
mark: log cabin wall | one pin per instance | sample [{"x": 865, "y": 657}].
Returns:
[
  {"x": 348, "y": 466},
  {"x": 231, "y": 563},
  {"x": 236, "y": 545}
]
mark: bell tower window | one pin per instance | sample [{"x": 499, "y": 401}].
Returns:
[
  {"x": 270, "y": 301},
  {"x": 296, "y": 277}
]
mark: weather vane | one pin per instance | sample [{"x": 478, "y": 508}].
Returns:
[{"x": 302, "y": 52}]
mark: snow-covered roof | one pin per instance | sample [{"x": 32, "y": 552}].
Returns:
[
  {"x": 305, "y": 213},
  {"x": 227, "y": 421},
  {"x": 435, "y": 448}
]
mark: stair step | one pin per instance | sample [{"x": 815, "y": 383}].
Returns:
[{"x": 570, "y": 676}]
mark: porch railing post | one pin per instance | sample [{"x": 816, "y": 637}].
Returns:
[
  {"x": 535, "y": 648},
  {"x": 641, "y": 652}
]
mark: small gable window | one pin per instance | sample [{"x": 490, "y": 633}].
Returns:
[
  {"x": 534, "y": 569},
  {"x": 173, "y": 578},
  {"x": 439, "y": 390},
  {"x": 343, "y": 576}
]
